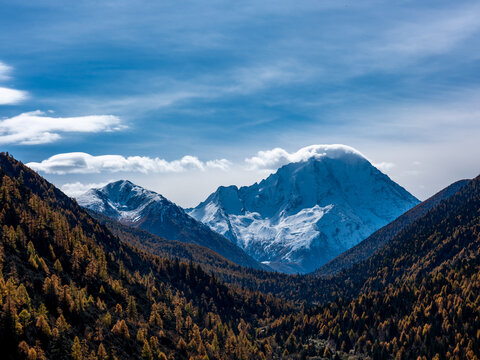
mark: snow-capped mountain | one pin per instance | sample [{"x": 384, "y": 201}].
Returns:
[
  {"x": 307, "y": 212},
  {"x": 135, "y": 206}
]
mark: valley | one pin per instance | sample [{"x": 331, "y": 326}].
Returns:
[{"x": 72, "y": 285}]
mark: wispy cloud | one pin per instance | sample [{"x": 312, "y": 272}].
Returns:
[
  {"x": 397, "y": 42},
  {"x": 453, "y": 114},
  {"x": 429, "y": 33},
  {"x": 37, "y": 128},
  {"x": 444, "y": 30},
  {"x": 356, "y": 50},
  {"x": 4, "y": 71},
  {"x": 258, "y": 77},
  {"x": 83, "y": 163},
  {"x": 245, "y": 80}
]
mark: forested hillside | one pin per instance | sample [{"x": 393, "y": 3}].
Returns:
[
  {"x": 210, "y": 261},
  {"x": 70, "y": 290}
]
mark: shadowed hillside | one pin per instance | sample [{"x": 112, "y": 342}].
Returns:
[{"x": 382, "y": 236}]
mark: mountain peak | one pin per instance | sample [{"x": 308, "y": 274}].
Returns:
[
  {"x": 308, "y": 211},
  {"x": 121, "y": 184},
  {"x": 121, "y": 200},
  {"x": 135, "y": 206},
  {"x": 125, "y": 187}
]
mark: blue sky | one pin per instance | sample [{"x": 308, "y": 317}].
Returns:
[{"x": 218, "y": 81}]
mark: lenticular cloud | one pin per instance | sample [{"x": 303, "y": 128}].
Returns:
[{"x": 35, "y": 127}]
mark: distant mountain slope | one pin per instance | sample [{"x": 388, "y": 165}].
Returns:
[
  {"x": 307, "y": 212},
  {"x": 382, "y": 236},
  {"x": 135, "y": 206}
]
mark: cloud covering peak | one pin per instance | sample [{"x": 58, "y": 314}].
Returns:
[{"x": 277, "y": 157}]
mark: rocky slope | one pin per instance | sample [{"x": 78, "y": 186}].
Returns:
[{"x": 135, "y": 206}]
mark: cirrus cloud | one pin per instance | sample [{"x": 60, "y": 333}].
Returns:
[
  {"x": 83, "y": 163},
  {"x": 36, "y": 127}
]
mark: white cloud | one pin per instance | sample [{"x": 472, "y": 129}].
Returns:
[
  {"x": 77, "y": 188},
  {"x": 37, "y": 128},
  {"x": 384, "y": 166},
  {"x": 268, "y": 160},
  {"x": 4, "y": 71},
  {"x": 11, "y": 96},
  {"x": 275, "y": 158},
  {"x": 83, "y": 163},
  {"x": 222, "y": 164}
]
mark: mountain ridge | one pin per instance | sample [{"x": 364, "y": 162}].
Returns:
[
  {"x": 135, "y": 206},
  {"x": 71, "y": 289}
]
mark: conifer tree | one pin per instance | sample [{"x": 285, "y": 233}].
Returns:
[{"x": 77, "y": 349}]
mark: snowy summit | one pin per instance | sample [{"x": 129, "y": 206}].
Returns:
[
  {"x": 309, "y": 211},
  {"x": 135, "y": 206}
]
